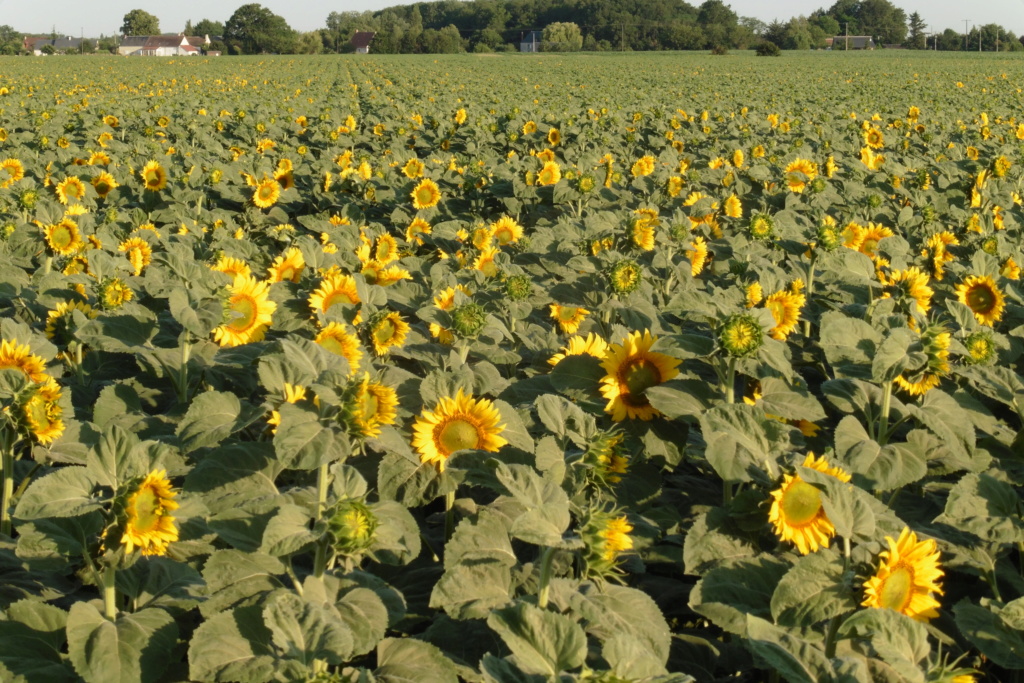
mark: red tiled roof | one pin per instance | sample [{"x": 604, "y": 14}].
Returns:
[{"x": 362, "y": 38}]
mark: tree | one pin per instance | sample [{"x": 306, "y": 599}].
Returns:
[
  {"x": 10, "y": 40},
  {"x": 107, "y": 45},
  {"x": 883, "y": 19},
  {"x": 562, "y": 36},
  {"x": 310, "y": 43},
  {"x": 254, "y": 29},
  {"x": 208, "y": 28},
  {"x": 716, "y": 12},
  {"x": 917, "y": 40},
  {"x": 139, "y": 22}
]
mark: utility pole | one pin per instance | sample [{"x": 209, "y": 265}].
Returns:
[
  {"x": 979, "y": 39},
  {"x": 846, "y": 28},
  {"x": 965, "y": 34}
]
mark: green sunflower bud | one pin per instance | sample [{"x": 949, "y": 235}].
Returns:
[
  {"x": 991, "y": 246},
  {"x": 27, "y": 199},
  {"x": 761, "y": 226},
  {"x": 626, "y": 276},
  {"x": 468, "y": 319},
  {"x": 829, "y": 237},
  {"x": 606, "y": 535},
  {"x": 818, "y": 185},
  {"x": 607, "y": 457},
  {"x": 981, "y": 349},
  {"x": 352, "y": 527},
  {"x": 518, "y": 287},
  {"x": 741, "y": 335},
  {"x": 874, "y": 201},
  {"x": 7, "y": 231}
]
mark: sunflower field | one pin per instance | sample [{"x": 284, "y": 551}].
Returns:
[{"x": 640, "y": 367}]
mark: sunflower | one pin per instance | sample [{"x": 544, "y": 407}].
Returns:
[
  {"x": 104, "y": 184},
  {"x": 870, "y": 159},
  {"x": 873, "y": 138},
  {"x": 800, "y": 172},
  {"x": 64, "y": 237},
  {"x": 42, "y": 412},
  {"x": 733, "y": 207},
  {"x": 416, "y": 228},
  {"x": 982, "y": 295},
  {"x": 642, "y": 166},
  {"x": 531, "y": 127},
  {"x": 869, "y": 238},
  {"x": 251, "y": 310},
  {"x": 287, "y": 266},
  {"x": 935, "y": 340},
  {"x": 625, "y": 276},
  {"x": 292, "y": 394},
  {"x": 797, "y": 513},
  {"x": 390, "y": 330},
  {"x": 980, "y": 348},
  {"x": 336, "y": 338},
  {"x": 643, "y": 234},
  {"x": 445, "y": 300},
  {"x": 114, "y": 293},
  {"x": 485, "y": 262},
  {"x": 138, "y": 251},
  {"x": 506, "y": 230},
  {"x": 550, "y": 174},
  {"x": 413, "y": 168},
  {"x": 13, "y": 171},
  {"x": 698, "y": 255},
  {"x": 266, "y": 194},
  {"x": 231, "y": 266},
  {"x": 17, "y": 356},
  {"x": 591, "y": 345},
  {"x": 568, "y": 318},
  {"x": 371, "y": 407},
  {"x": 785, "y": 308},
  {"x": 455, "y": 424},
  {"x": 148, "y": 524},
  {"x": 59, "y": 321},
  {"x": 631, "y": 369},
  {"x": 71, "y": 188},
  {"x": 335, "y": 288},
  {"x": 754, "y": 295},
  {"x": 426, "y": 194},
  {"x": 154, "y": 177},
  {"x": 376, "y": 274},
  {"x": 939, "y": 244},
  {"x": 554, "y": 137},
  {"x": 385, "y": 249},
  {"x": 907, "y": 578},
  {"x": 913, "y": 284}
]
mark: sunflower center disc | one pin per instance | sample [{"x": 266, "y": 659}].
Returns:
[
  {"x": 369, "y": 405},
  {"x": 335, "y": 298},
  {"x": 566, "y": 313},
  {"x": 458, "y": 435},
  {"x": 245, "y": 308},
  {"x": 147, "y": 510},
  {"x": 980, "y": 299},
  {"x": 896, "y": 591},
  {"x": 37, "y": 411},
  {"x": 384, "y": 332},
  {"x": 332, "y": 344},
  {"x": 801, "y": 503},
  {"x": 639, "y": 376}
]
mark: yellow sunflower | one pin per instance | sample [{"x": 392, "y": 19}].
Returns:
[
  {"x": 907, "y": 578},
  {"x": 455, "y": 424},
  {"x": 139, "y": 253},
  {"x": 549, "y": 174},
  {"x": 17, "y": 356},
  {"x": 631, "y": 369},
  {"x": 873, "y": 138},
  {"x": 643, "y": 234},
  {"x": 554, "y": 137},
  {"x": 148, "y": 523},
  {"x": 797, "y": 514},
  {"x": 935, "y": 340},
  {"x": 232, "y": 266},
  {"x": 266, "y": 194},
  {"x": 698, "y": 255},
  {"x": 104, "y": 184},
  {"x": 63, "y": 237},
  {"x": 733, "y": 207},
  {"x": 484, "y": 262},
  {"x": 616, "y": 538},
  {"x": 251, "y": 310},
  {"x": 42, "y": 412},
  {"x": 71, "y": 188},
  {"x": 376, "y": 274},
  {"x": 800, "y": 172},
  {"x": 58, "y": 321},
  {"x": 13, "y": 171},
  {"x": 426, "y": 194},
  {"x": 642, "y": 166},
  {"x": 785, "y": 308},
  {"x": 913, "y": 284},
  {"x": 154, "y": 177},
  {"x": 385, "y": 249},
  {"x": 287, "y": 266},
  {"x": 591, "y": 345},
  {"x": 982, "y": 295},
  {"x": 506, "y": 230},
  {"x": 870, "y": 159},
  {"x": 416, "y": 228},
  {"x": 870, "y": 237},
  {"x": 389, "y": 331},
  {"x": 569, "y": 318},
  {"x": 335, "y": 288},
  {"x": 114, "y": 293},
  {"x": 413, "y": 168},
  {"x": 336, "y": 338},
  {"x": 292, "y": 394},
  {"x": 372, "y": 406}
]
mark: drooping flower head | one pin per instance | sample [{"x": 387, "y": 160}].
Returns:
[
  {"x": 797, "y": 514},
  {"x": 907, "y": 578},
  {"x": 147, "y": 523}
]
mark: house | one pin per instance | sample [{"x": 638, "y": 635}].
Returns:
[
  {"x": 361, "y": 41},
  {"x": 62, "y": 44},
  {"x": 531, "y": 41},
  {"x": 855, "y": 43},
  {"x": 162, "y": 46}
]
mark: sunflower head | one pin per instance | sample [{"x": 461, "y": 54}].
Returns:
[
  {"x": 154, "y": 177},
  {"x": 367, "y": 406},
  {"x": 625, "y": 276},
  {"x": 426, "y": 194},
  {"x": 982, "y": 295},
  {"x": 457, "y": 423},
  {"x": 797, "y": 514},
  {"x": 60, "y": 322},
  {"x": 981, "y": 348},
  {"x": 741, "y": 335},
  {"x": 249, "y": 312},
  {"x": 907, "y": 578},
  {"x": 468, "y": 319},
  {"x": 606, "y": 534},
  {"x": 761, "y": 227},
  {"x": 519, "y": 287},
  {"x": 41, "y": 411},
  {"x": 607, "y": 457},
  {"x": 632, "y": 368},
  {"x": 145, "y": 514},
  {"x": 336, "y": 338},
  {"x": 352, "y": 526},
  {"x": 387, "y": 330},
  {"x": 829, "y": 236}
]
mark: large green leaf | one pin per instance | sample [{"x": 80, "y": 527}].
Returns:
[
  {"x": 135, "y": 647},
  {"x": 406, "y": 660},
  {"x": 799, "y": 660},
  {"x": 305, "y": 632},
  {"x": 542, "y": 642},
  {"x": 232, "y": 646},
  {"x": 211, "y": 417},
  {"x": 68, "y": 492},
  {"x": 815, "y": 589}
]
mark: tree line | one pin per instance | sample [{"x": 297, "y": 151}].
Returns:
[{"x": 448, "y": 26}]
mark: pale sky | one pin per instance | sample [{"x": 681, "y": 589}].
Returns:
[{"x": 71, "y": 17}]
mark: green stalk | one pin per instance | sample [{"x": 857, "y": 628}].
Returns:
[
  {"x": 730, "y": 398},
  {"x": 186, "y": 352},
  {"x": 830, "y": 637},
  {"x": 47, "y": 264},
  {"x": 7, "y": 476},
  {"x": 810, "y": 291},
  {"x": 544, "y": 588},
  {"x": 110, "y": 592},
  {"x": 883, "y": 420},
  {"x": 79, "y": 373},
  {"x": 323, "y": 478},
  {"x": 449, "y": 514}
]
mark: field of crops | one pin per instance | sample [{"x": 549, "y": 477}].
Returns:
[{"x": 526, "y": 368}]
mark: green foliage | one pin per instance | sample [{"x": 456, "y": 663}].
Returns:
[
  {"x": 254, "y": 29},
  {"x": 140, "y": 23}
]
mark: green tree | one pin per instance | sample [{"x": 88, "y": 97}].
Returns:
[
  {"x": 310, "y": 43},
  {"x": 562, "y": 36},
  {"x": 206, "y": 27},
  {"x": 10, "y": 40},
  {"x": 884, "y": 20},
  {"x": 107, "y": 45},
  {"x": 916, "y": 40},
  {"x": 139, "y": 22},
  {"x": 254, "y": 29},
  {"x": 716, "y": 12}
]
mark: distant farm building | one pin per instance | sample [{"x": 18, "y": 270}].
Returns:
[
  {"x": 162, "y": 46},
  {"x": 531, "y": 41},
  {"x": 855, "y": 43},
  {"x": 361, "y": 41},
  {"x": 63, "y": 44}
]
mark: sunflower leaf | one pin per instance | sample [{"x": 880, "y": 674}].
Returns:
[
  {"x": 542, "y": 642},
  {"x": 134, "y": 647}
]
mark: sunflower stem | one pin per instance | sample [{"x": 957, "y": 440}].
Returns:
[
  {"x": 993, "y": 582},
  {"x": 79, "y": 373},
  {"x": 323, "y": 477},
  {"x": 186, "y": 352},
  {"x": 883, "y": 419},
  {"x": 810, "y": 292},
  {"x": 544, "y": 589},
  {"x": 449, "y": 515},
  {"x": 730, "y": 382},
  {"x": 110, "y": 592},
  {"x": 47, "y": 264},
  {"x": 7, "y": 475},
  {"x": 830, "y": 637}
]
